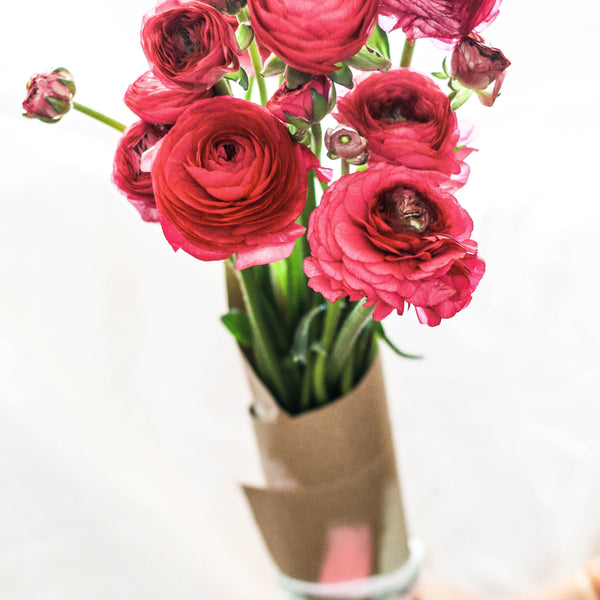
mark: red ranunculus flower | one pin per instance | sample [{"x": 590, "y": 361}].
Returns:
[
  {"x": 390, "y": 234},
  {"x": 445, "y": 20},
  {"x": 154, "y": 102},
  {"x": 477, "y": 66},
  {"x": 127, "y": 173},
  {"x": 405, "y": 118},
  {"x": 189, "y": 43},
  {"x": 299, "y": 104},
  {"x": 313, "y": 35},
  {"x": 228, "y": 179}
]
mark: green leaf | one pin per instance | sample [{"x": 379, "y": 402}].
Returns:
[
  {"x": 238, "y": 324},
  {"x": 295, "y": 79},
  {"x": 379, "y": 330},
  {"x": 301, "y": 336},
  {"x": 368, "y": 59},
  {"x": 273, "y": 66},
  {"x": 244, "y": 36},
  {"x": 240, "y": 76},
  {"x": 461, "y": 98},
  {"x": 343, "y": 76},
  {"x": 379, "y": 41}
]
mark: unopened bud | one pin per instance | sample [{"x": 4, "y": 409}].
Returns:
[
  {"x": 477, "y": 66},
  {"x": 49, "y": 95},
  {"x": 304, "y": 106},
  {"x": 343, "y": 142}
]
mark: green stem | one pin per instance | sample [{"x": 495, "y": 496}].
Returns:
[
  {"x": 320, "y": 373},
  {"x": 258, "y": 67},
  {"x": 250, "y": 88},
  {"x": 407, "y": 53},
  {"x": 344, "y": 343},
  {"x": 345, "y": 167},
  {"x": 99, "y": 117},
  {"x": 317, "y": 136},
  {"x": 266, "y": 357},
  {"x": 347, "y": 375}
]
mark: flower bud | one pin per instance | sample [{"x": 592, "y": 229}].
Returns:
[
  {"x": 477, "y": 66},
  {"x": 49, "y": 95},
  {"x": 305, "y": 105},
  {"x": 343, "y": 142},
  {"x": 229, "y": 7}
]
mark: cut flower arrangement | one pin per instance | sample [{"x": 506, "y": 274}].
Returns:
[{"x": 226, "y": 158}]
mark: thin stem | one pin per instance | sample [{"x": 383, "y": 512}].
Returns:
[
  {"x": 332, "y": 317},
  {"x": 258, "y": 67},
  {"x": 99, "y": 117},
  {"x": 345, "y": 167},
  {"x": 317, "y": 139},
  {"x": 344, "y": 343},
  {"x": 407, "y": 53},
  {"x": 266, "y": 357},
  {"x": 250, "y": 88}
]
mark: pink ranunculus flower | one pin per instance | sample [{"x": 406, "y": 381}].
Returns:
[
  {"x": 406, "y": 119},
  {"x": 313, "y": 35},
  {"x": 393, "y": 236},
  {"x": 445, "y": 20},
  {"x": 189, "y": 44},
  {"x": 154, "y": 102},
  {"x": 229, "y": 180},
  {"x": 479, "y": 67},
  {"x": 49, "y": 95},
  {"x": 128, "y": 175},
  {"x": 299, "y": 104}
]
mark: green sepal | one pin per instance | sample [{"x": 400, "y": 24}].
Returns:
[
  {"x": 244, "y": 36},
  {"x": 297, "y": 122},
  {"x": 362, "y": 167},
  {"x": 238, "y": 324},
  {"x": 301, "y": 335},
  {"x": 380, "y": 331},
  {"x": 461, "y": 98},
  {"x": 273, "y": 66},
  {"x": 332, "y": 98},
  {"x": 445, "y": 67},
  {"x": 62, "y": 106},
  {"x": 240, "y": 76},
  {"x": 369, "y": 59},
  {"x": 440, "y": 75},
  {"x": 295, "y": 79},
  {"x": 69, "y": 84},
  {"x": 320, "y": 106},
  {"x": 454, "y": 85},
  {"x": 343, "y": 76},
  {"x": 379, "y": 41}
]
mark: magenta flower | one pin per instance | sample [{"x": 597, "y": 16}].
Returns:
[
  {"x": 154, "y": 102},
  {"x": 49, "y": 95},
  {"x": 189, "y": 44},
  {"x": 445, "y": 20},
  {"x": 392, "y": 236},
  {"x": 127, "y": 172},
  {"x": 406, "y": 119}
]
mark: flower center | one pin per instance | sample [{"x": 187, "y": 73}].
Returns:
[
  {"x": 226, "y": 152},
  {"x": 185, "y": 41},
  {"x": 405, "y": 210}
]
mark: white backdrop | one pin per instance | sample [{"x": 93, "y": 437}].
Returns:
[{"x": 123, "y": 429}]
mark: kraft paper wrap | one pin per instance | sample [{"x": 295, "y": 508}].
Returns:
[{"x": 331, "y": 509}]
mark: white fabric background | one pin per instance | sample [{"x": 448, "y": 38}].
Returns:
[{"x": 123, "y": 429}]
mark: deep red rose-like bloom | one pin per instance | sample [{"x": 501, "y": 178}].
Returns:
[
  {"x": 228, "y": 179},
  {"x": 299, "y": 104},
  {"x": 313, "y": 35},
  {"x": 392, "y": 236},
  {"x": 445, "y": 20},
  {"x": 127, "y": 173},
  {"x": 477, "y": 66},
  {"x": 189, "y": 43},
  {"x": 154, "y": 102},
  {"x": 405, "y": 118}
]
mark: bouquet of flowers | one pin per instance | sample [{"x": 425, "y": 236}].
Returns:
[{"x": 227, "y": 156}]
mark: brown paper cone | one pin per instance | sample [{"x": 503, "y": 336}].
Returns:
[{"x": 332, "y": 508}]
